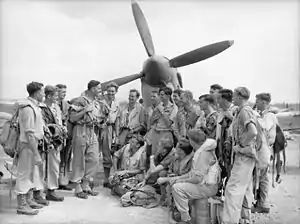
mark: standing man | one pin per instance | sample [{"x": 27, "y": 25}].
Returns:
[
  {"x": 268, "y": 121},
  {"x": 84, "y": 116},
  {"x": 110, "y": 130},
  {"x": 163, "y": 118},
  {"x": 238, "y": 192},
  {"x": 207, "y": 104},
  {"x": 66, "y": 151},
  {"x": 52, "y": 116},
  {"x": 214, "y": 90},
  {"x": 29, "y": 162},
  {"x": 223, "y": 133},
  {"x": 132, "y": 120}
]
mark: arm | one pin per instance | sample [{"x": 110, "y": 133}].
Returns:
[
  {"x": 117, "y": 155},
  {"x": 27, "y": 117},
  {"x": 117, "y": 123},
  {"x": 76, "y": 116},
  {"x": 272, "y": 120}
]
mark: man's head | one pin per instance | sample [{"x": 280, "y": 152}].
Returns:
[
  {"x": 136, "y": 142},
  {"x": 215, "y": 88},
  {"x": 165, "y": 93},
  {"x": 262, "y": 101},
  {"x": 94, "y": 87},
  {"x": 206, "y": 102},
  {"x": 183, "y": 148},
  {"x": 51, "y": 94},
  {"x": 224, "y": 98},
  {"x": 154, "y": 97},
  {"x": 36, "y": 91},
  {"x": 176, "y": 97},
  {"x": 187, "y": 97},
  {"x": 196, "y": 137},
  {"x": 133, "y": 96},
  {"x": 240, "y": 95},
  {"x": 164, "y": 146},
  {"x": 112, "y": 89},
  {"x": 62, "y": 91}
]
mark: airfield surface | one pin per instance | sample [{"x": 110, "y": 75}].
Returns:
[{"x": 106, "y": 209}]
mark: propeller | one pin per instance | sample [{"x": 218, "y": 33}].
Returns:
[
  {"x": 143, "y": 28},
  {"x": 122, "y": 81},
  {"x": 200, "y": 54}
]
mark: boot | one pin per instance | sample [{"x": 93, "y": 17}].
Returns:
[
  {"x": 106, "y": 176},
  {"x": 23, "y": 207},
  {"x": 31, "y": 202},
  {"x": 79, "y": 192},
  {"x": 39, "y": 199},
  {"x": 258, "y": 209},
  {"x": 52, "y": 196},
  {"x": 87, "y": 189}
]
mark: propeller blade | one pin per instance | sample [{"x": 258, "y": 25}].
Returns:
[
  {"x": 143, "y": 28},
  {"x": 122, "y": 81},
  {"x": 200, "y": 54}
]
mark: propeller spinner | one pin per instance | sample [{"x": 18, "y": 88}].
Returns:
[{"x": 158, "y": 70}]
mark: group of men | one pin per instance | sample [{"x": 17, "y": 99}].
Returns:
[{"x": 94, "y": 123}]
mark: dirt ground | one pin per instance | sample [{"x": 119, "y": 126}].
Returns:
[{"x": 105, "y": 209}]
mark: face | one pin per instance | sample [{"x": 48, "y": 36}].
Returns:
[
  {"x": 260, "y": 104},
  {"x": 163, "y": 96},
  {"x": 185, "y": 100},
  {"x": 176, "y": 98},
  {"x": 203, "y": 104},
  {"x": 53, "y": 98},
  {"x": 111, "y": 91},
  {"x": 96, "y": 90},
  {"x": 62, "y": 93},
  {"x": 134, "y": 144},
  {"x": 236, "y": 99},
  {"x": 132, "y": 97},
  {"x": 221, "y": 101},
  {"x": 154, "y": 98},
  {"x": 40, "y": 95}
]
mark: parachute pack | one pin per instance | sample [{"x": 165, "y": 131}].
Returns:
[{"x": 9, "y": 138}]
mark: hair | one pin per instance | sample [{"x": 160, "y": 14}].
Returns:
[
  {"x": 61, "y": 86},
  {"x": 113, "y": 84},
  {"x": 208, "y": 98},
  {"x": 196, "y": 135},
  {"x": 50, "y": 90},
  {"x": 216, "y": 87},
  {"x": 184, "y": 144},
  {"x": 135, "y": 91},
  {"x": 141, "y": 101},
  {"x": 226, "y": 94},
  {"x": 168, "y": 91},
  {"x": 243, "y": 92},
  {"x": 92, "y": 83},
  {"x": 139, "y": 139},
  {"x": 34, "y": 87},
  {"x": 189, "y": 94},
  {"x": 178, "y": 92},
  {"x": 264, "y": 96}
]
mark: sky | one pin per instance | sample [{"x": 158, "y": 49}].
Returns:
[{"x": 73, "y": 42}]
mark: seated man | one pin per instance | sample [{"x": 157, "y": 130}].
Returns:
[
  {"x": 181, "y": 164},
  {"x": 159, "y": 162},
  {"x": 202, "y": 180},
  {"x": 129, "y": 165}
]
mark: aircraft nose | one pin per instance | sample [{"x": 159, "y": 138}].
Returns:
[{"x": 231, "y": 42}]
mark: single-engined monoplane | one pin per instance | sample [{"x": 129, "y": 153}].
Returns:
[{"x": 158, "y": 70}]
